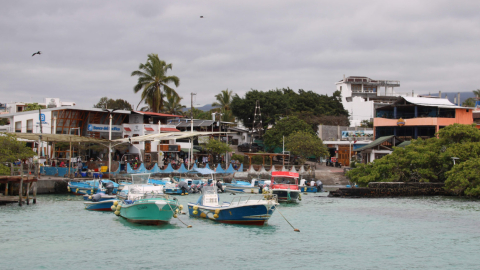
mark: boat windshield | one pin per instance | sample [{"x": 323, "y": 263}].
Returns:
[
  {"x": 285, "y": 180},
  {"x": 209, "y": 190},
  {"x": 140, "y": 178}
]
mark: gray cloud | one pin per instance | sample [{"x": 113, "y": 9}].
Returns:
[{"x": 91, "y": 47}]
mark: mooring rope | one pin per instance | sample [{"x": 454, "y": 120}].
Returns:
[
  {"x": 188, "y": 226},
  {"x": 294, "y": 229}
]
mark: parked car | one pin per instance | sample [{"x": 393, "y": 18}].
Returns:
[{"x": 245, "y": 147}]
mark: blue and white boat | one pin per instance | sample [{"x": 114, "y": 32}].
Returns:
[
  {"x": 304, "y": 187},
  {"x": 248, "y": 209},
  {"x": 103, "y": 205},
  {"x": 89, "y": 186},
  {"x": 238, "y": 186}
]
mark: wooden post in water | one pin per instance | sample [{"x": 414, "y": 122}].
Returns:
[
  {"x": 20, "y": 191},
  {"x": 6, "y": 189},
  {"x": 28, "y": 191},
  {"x": 35, "y": 192}
]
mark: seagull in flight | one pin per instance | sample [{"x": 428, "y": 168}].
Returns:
[{"x": 39, "y": 52}]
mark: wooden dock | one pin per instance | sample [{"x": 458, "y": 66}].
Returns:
[{"x": 17, "y": 189}]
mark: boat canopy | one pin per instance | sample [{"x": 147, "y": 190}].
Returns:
[
  {"x": 285, "y": 174},
  {"x": 202, "y": 171}
]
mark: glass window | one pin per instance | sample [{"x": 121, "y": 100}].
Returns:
[
  {"x": 18, "y": 126},
  {"x": 30, "y": 126}
]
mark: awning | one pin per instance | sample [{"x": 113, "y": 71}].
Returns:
[
  {"x": 148, "y": 129},
  {"x": 169, "y": 130},
  {"x": 186, "y": 150},
  {"x": 127, "y": 129}
]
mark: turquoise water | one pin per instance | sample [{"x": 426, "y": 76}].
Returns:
[{"x": 336, "y": 233}]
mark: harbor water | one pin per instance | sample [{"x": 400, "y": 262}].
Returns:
[{"x": 335, "y": 233}]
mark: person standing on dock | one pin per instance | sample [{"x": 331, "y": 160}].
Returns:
[{"x": 319, "y": 186}]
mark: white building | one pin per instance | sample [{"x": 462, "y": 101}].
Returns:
[
  {"x": 15, "y": 107},
  {"x": 361, "y": 95}
]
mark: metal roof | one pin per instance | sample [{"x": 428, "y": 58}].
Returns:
[
  {"x": 57, "y": 137},
  {"x": 196, "y": 123},
  {"x": 158, "y": 114},
  {"x": 433, "y": 102},
  {"x": 62, "y": 108},
  {"x": 167, "y": 136},
  {"x": 405, "y": 143},
  {"x": 375, "y": 143}
]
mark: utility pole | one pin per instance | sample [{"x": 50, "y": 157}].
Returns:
[{"x": 190, "y": 158}]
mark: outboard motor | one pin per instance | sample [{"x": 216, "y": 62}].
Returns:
[
  {"x": 219, "y": 186},
  {"x": 184, "y": 186},
  {"x": 109, "y": 187},
  {"x": 96, "y": 197}
]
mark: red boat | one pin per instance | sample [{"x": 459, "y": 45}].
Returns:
[{"x": 285, "y": 186}]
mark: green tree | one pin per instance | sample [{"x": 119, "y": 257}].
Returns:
[
  {"x": 11, "y": 150},
  {"x": 424, "y": 160},
  {"x": 284, "y": 128},
  {"x": 153, "y": 79},
  {"x": 215, "y": 147},
  {"x": 239, "y": 158},
  {"x": 224, "y": 100},
  {"x": 366, "y": 124},
  {"x": 279, "y": 103},
  {"x": 476, "y": 93},
  {"x": 469, "y": 102},
  {"x": 33, "y": 107},
  {"x": 464, "y": 178},
  {"x": 4, "y": 121},
  {"x": 305, "y": 144},
  {"x": 172, "y": 104},
  {"x": 199, "y": 114},
  {"x": 118, "y": 104}
]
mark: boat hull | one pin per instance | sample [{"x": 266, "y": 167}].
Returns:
[
  {"x": 287, "y": 195},
  {"x": 254, "y": 190},
  {"x": 148, "y": 211},
  {"x": 100, "y": 206},
  {"x": 309, "y": 189},
  {"x": 248, "y": 214}
]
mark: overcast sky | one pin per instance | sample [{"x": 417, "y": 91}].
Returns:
[{"x": 90, "y": 48}]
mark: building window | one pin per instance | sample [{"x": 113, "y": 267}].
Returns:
[
  {"x": 18, "y": 126},
  {"x": 340, "y": 88},
  {"x": 30, "y": 126}
]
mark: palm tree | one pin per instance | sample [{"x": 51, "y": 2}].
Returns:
[
  {"x": 172, "y": 103},
  {"x": 476, "y": 93},
  {"x": 152, "y": 78},
  {"x": 224, "y": 100}
]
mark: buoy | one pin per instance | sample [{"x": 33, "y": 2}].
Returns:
[
  {"x": 180, "y": 207},
  {"x": 215, "y": 216},
  {"x": 89, "y": 197},
  {"x": 195, "y": 212},
  {"x": 217, "y": 211},
  {"x": 195, "y": 207},
  {"x": 186, "y": 193},
  {"x": 176, "y": 211},
  {"x": 189, "y": 226},
  {"x": 203, "y": 215},
  {"x": 117, "y": 212},
  {"x": 113, "y": 208},
  {"x": 251, "y": 190},
  {"x": 183, "y": 194},
  {"x": 68, "y": 188},
  {"x": 91, "y": 191},
  {"x": 76, "y": 191},
  {"x": 118, "y": 207},
  {"x": 115, "y": 203},
  {"x": 175, "y": 215}
]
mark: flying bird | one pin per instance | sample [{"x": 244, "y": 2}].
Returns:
[
  {"x": 201, "y": 16},
  {"x": 39, "y": 52}
]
